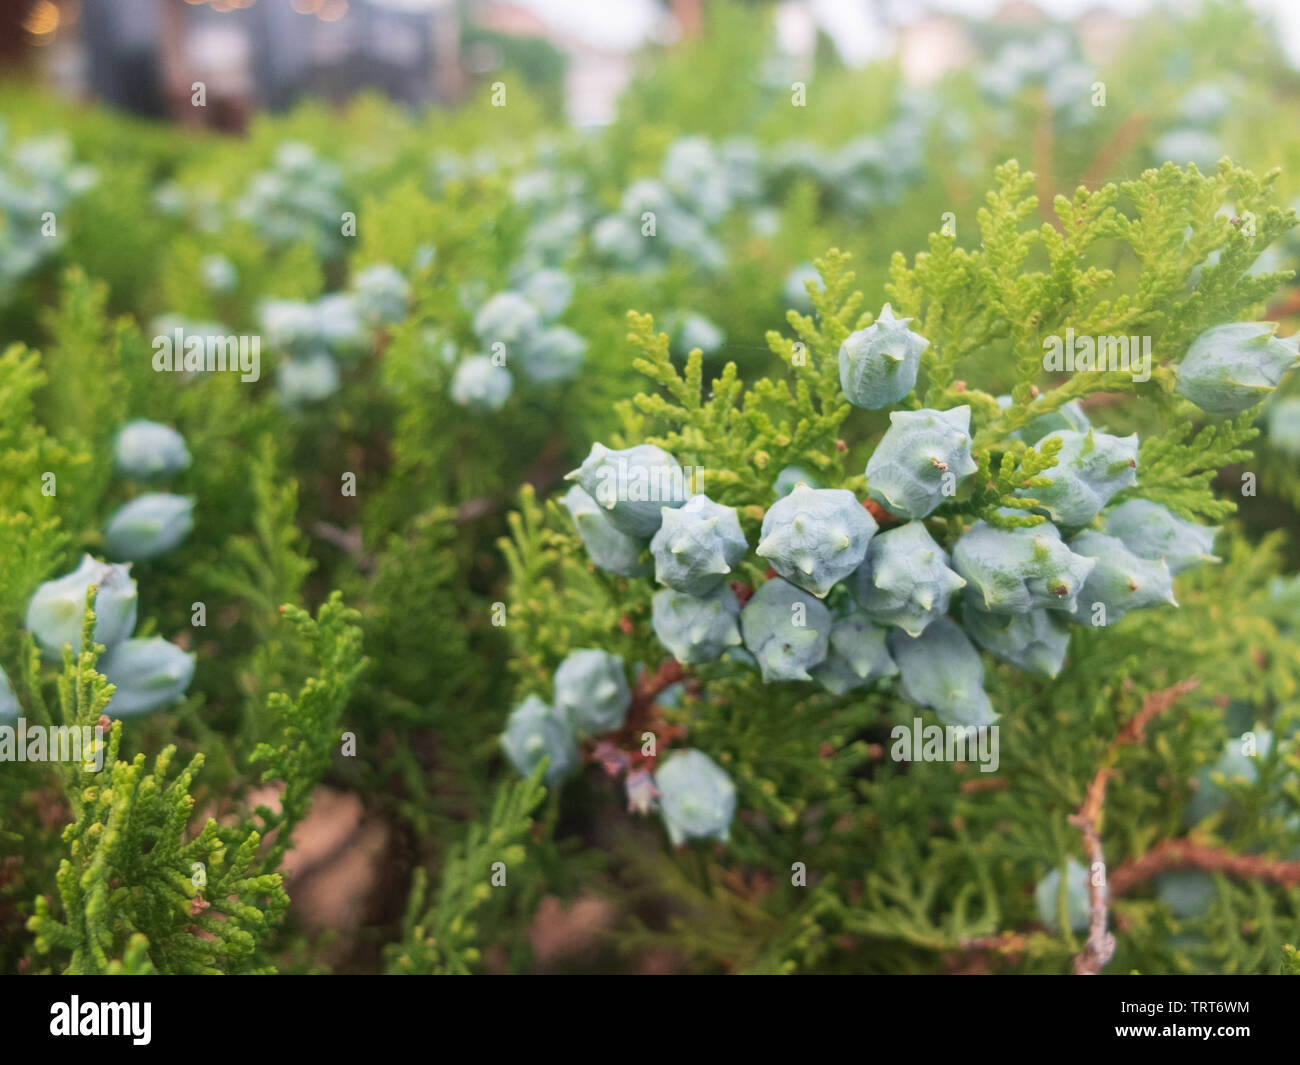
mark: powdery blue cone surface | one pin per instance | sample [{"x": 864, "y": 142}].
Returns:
[
  {"x": 795, "y": 289},
  {"x": 553, "y": 355},
  {"x": 339, "y": 324},
  {"x": 480, "y": 385},
  {"x": 507, "y": 317},
  {"x": 696, "y": 545},
  {"x": 591, "y": 690},
  {"x": 1077, "y": 903},
  {"x": 1016, "y": 570},
  {"x": 1283, "y": 422},
  {"x": 608, "y": 548},
  {"x": 1090, "y": 468},
  {"x": 815, "y": 537},
  {"x": 696, "y": 628},
  {"x": 1069, "y": 416},
  {"x": 1234, "y": 366},
  {"x": 632, "y": 486},
  {"x": 1152, "y": 531},
  {"x": 535, "y": 731},
  {"x": 310, "y": 380},
  {"x": 857, "y": 655},
  {"x": 905, "y": 579},
  {"x": 145, "y": 450},
  {"x": 878, "y": 365},
  {"x": 786, "y": 630},
  {"x": 381, "y": 292},
  {"x": 697, "y": 800},
  {"x": 905, "y": 473},
  {"x": 696, "y": 331},
  {"x": 1187, "y": 892},
  {"x": 791, "y": 476},
  {"x": 54, "y": 613},
  {"x": 1120, "y": 581},
  {"x": 549, "y": 291},
  {"x": 148, "y": 526},
  {"x": 218, "y": 273},
  {"x": 1236, "y": 763},
  {"x": 9, "y": 705},
  {"x": 1036, "y": 641},
  {"x": 148, "y": 673},
  {"x": 941, "y": 669}
]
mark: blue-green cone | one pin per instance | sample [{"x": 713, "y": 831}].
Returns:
[
  {"x": 1151, "y": 531},
  {"x": 1120, "y": 581},
  {"x": 1283, "y": 424},
  {"x": 697, "y": 545},
  {"x": 1090, "y": 468},
  {"x": 1036, "y": 641},
  {"x": 905, "y": 580},
  {"x": 608, "y": 548},
  {"x": 633, "y": 486},
  {"x": 144, "y": 450},
  {"x": 508, "y": 318},
  {"x": 786, "y": 630},
  {"x": 1017, "y": 570},
  {"x": 906, "y": 472},
  {"x": 1187, "y": 892},
  {"x": 815, "y": 537},
  {"x": 857, "y": 655},
  {"x": 789, "y": 477},
  {"x": 553, "y": 355},
  {"x": 148, "y": 526},
  {"x": 1236, "y": 763},
  {"x": 940, "y": 669},
  {"x": 381, "y": 292},
  {"x": 591, "y": 690},
  {"x": 696, "y": 629},
  {"x": 535, "y": 731},
  {"x": 697, "y": 800},
  {"x": 481, "y": 385},
  {"x": 148, "y": 673},
  {"x": 1234, "y": 366},
  {"x": 1077, "y": 903},
  {"x": 9, "y": 705},
  {"x": 56, "y": 607},
  {"x": 1068, "y": 416},
  {"x": 878, "y": 365}
]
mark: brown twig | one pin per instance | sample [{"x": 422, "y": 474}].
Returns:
[
  {"x": 1171, "y": 854},
  {"x": 1128, "y": 134},
  {"x": 1100, "y": 946}
]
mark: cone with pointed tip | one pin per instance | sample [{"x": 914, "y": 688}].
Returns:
[
  {"x": 608, "y": 548},
  {"x": 697, "y": 800},
  {"x": 697, "y": 545},
  {"x": 1120, "y": 581},
  {"x": 815, "y": 537},
  {"x": 791, "y": 476},
  {"x": 905, "y": 579},
  {"x": 591, "y": 690},
  {"x": 786, "y": 630},
  {"x": 1152, "y": 531},
  {"x": 1067, "y": 416},
  {"x": 941, "y": 669},
  {"x": 148, "y": 673},
  {"x": 632, "y": 486},
  {"x": 1011, "y": 571},
  {"x": 56, "y": 607},
  {"x": 857, "y": 655},
  {"x": 696, "y": 629},
  {"x": 906, "y": 472},
  {"x": 1090, "y": 468},
  {"x": 535, "y": 731},
  {"x": 1234, "y": 366},
  {"x": 1077, "y": 899},
  {"x": 878, "y": 365},
  {"x": 1035, "y": 641}
]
